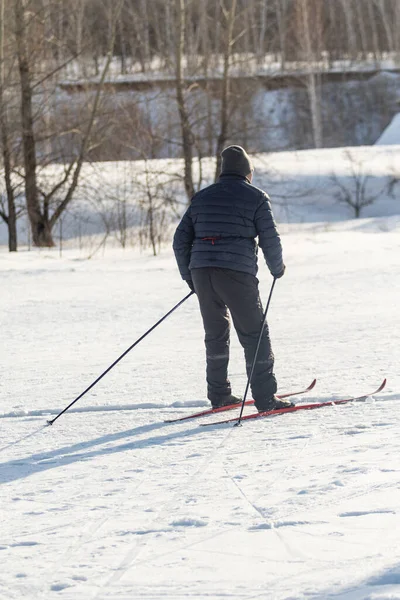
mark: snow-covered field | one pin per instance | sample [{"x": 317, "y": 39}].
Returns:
[
  {"x": 303, "y": 185},
  {"x": 110, "y": 502}
]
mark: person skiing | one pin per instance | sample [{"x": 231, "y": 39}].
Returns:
[{"x": 216, "y": 252}]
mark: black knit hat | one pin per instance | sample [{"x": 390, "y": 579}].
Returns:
[{"x": 236, "y": 160}]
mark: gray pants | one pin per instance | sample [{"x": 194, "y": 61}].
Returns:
[{"x": 218, "y": 290}]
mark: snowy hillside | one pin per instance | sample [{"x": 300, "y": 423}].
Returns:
[{"x": 112, "y": 503}]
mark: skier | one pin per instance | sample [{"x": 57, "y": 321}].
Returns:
[{"x": 216, "y": 251}]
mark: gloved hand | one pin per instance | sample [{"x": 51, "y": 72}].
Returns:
[
  {"x": 190, "y": 284},
  {"x": 281, "y": 274}
]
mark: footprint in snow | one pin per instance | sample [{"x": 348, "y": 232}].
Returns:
[
  {"x": 277, "y": 524},
  {"x": 363, "y": 513},
  {"x": 58, "y": 587},
  {"x": 22, "y": 544},
  {"x": 189, "y": 523}
]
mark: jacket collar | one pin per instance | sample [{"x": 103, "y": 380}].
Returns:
[{"x": 233, "y": 176}]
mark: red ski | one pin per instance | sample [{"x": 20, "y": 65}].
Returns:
[
  {"x": 281, "y": 411},
  {"x": 212, "y": 411}
]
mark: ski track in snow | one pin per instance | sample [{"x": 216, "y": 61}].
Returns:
[{"x": 112, "y": 503}]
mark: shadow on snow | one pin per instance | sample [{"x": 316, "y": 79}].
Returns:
[{"x": 35, "y": 463}]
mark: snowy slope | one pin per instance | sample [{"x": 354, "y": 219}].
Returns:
[
  {"x": 391, "y": 135},
  {"x": 112, "y": 503}
]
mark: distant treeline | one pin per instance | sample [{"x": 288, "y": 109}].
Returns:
[{"x": 341, "y": 29}]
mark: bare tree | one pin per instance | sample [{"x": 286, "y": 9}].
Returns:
[
  {"x": 158, "y": 205},
  {"x": 43, "y": 214},
  {"x": 116, "y": 203},
  {"x": 353, "y": 190}
]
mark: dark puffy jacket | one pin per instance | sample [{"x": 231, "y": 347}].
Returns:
[{"x": 220, "y": 226}]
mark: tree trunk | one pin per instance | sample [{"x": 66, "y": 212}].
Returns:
[
  {"x": 42, "y": 236},
  {"x": 350, "y": 28},
  {"x": 145, "y": 29},
  {"x": 187, "y": 136},
  {"x": 396, "y": 28},
  {"x": 11, "y": 217},
  {"x": 281, "y": 15},
  {"x": 263, "y": 30},
  {"x": 314, "y": 95},
  {"x": 364, "y": 37},
  {"x": 374, "y": 32},
  {"x": 223, "y": 134},
  {"x": 206, "y": 49},
  {"x": 386, "y": 21},
  {"x": 41, "y": 232},
  {"x": 167, "y": 33},
  {"x": 313, "y": 80}
]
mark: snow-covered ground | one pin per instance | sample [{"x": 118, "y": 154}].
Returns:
[
  {"x": 77, "y": 71},
  {"x": 304, "y": 187},
  {"x": 110, "y": 502}
]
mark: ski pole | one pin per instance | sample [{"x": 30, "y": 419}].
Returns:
[
  {"x": 237, "y": 424},
  {"x": 120, "y": 358}
]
